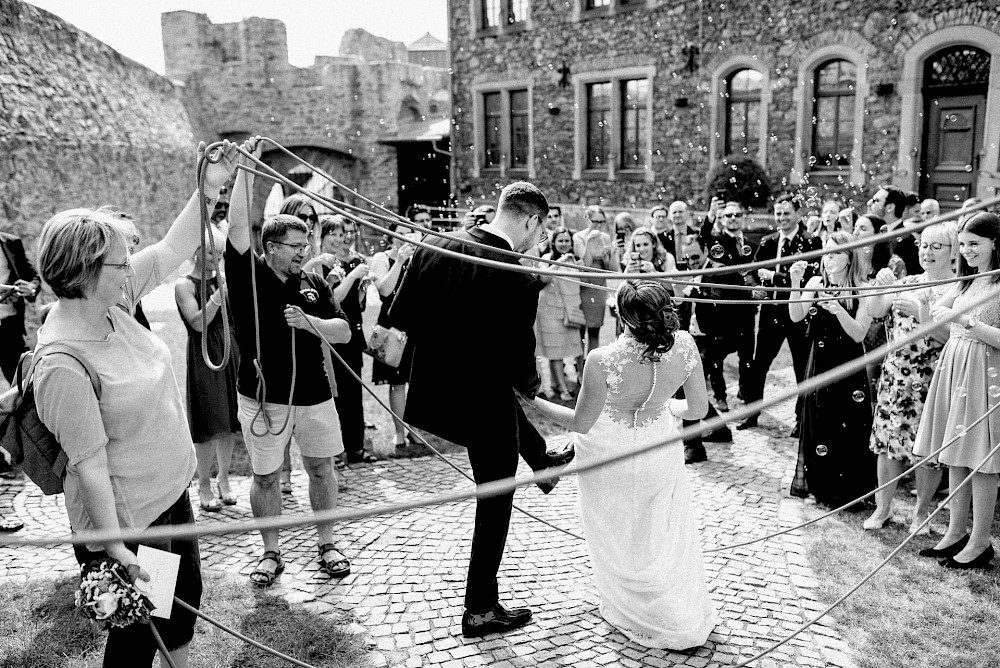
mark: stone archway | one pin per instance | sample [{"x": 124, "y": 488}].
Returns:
[{"x": 911, "y": 122}]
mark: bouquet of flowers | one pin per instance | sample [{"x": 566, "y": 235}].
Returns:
[{"x": 107, "y": 595}]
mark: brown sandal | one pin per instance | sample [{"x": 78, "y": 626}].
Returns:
[
  {"x": 337, "y": 568},
  {"x": 264, "y": 578}
]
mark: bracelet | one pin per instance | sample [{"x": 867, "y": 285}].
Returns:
[{"x": 212, "y": 298}]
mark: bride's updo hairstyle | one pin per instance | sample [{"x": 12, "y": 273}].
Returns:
[{"x": 645, "y": 306}]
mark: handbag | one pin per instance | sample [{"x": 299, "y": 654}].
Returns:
[
  {"x": 572, "y": 314},
  {"x": 386, "y": 344},
  {"x": 25, "y": 437}
]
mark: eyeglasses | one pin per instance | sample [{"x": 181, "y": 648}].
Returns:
[
  {"x": 599, "y": 222},
  {"x": 310, "y": 218},
  {"x": 422, "y": 220},
  {"x": 298, "y": 248},
  {"x": 936, "y": 246},
  {"x": 124, "y": 266},
  {"x": 731, "y": 215},
  {"x": 691, "y": 258}
]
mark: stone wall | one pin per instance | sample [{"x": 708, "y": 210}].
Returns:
[
  {"x": 774, "y": 37},
  {"x": 81, "y": 125},
  {"x": 340, "y": 106}
]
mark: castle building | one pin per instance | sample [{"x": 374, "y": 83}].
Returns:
[
  {"x": 632, "y": 102},
  {"x": 369, "y": 117}
]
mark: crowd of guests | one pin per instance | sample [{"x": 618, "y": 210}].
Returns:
[
  {"x": 133, "y": 451},
  {"x": 865, "y": 428}
]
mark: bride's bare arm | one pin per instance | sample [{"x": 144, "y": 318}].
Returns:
[
  {"x": 694, "y": 405},
  {"x": 593, "y": 392}
]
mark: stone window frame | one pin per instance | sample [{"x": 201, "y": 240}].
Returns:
[
  {"x": 805, "y": 106},
  {"x": 616, "y": 77},
  {"x": 615, "y": 7},
  {"x": 911, "y": 122},
  {"x": 479, "y": 111},
  {"x": 723, "y": 71},
  {"x": 505, "y": 27}
]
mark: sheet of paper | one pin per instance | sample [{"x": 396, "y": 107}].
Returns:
[{"x": 162, "y": 568}]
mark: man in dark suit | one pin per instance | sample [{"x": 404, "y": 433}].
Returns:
[
  {"x": 21, "y": 283},
  {"x": 674, "y": 238},
  {"x": 731, "y": 326},
  {"x": 461, "y": 316},
  {"x": 775, "y": 326}
]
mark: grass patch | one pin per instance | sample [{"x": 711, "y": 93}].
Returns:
[
  {"x": 42, "y": 630},
  {"x": 913, "y": 613}
]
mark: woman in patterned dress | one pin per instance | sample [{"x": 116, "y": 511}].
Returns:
[
  {"x": 906, "y": 374},
  {"x": 557, "y": 338},
  {"x": 964, "y": 388}
]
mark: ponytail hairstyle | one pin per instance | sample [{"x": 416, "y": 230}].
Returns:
[{"x": 645, "y": 306}]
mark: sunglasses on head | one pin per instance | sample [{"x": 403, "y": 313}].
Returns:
[{"x": 311, "y": 218}]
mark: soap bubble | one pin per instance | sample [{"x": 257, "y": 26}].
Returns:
[
  {"x": 994, "y": 391},
  {"x": 961, "y": 392},
  {"x": 747, "y": 250},
  {"x": 820, "y": 344},
  {"x": 917, "y": 385},
  {"x": 822, "y": 450},
  {"x": 960, "y": 428},
  {"x": 992, "y": 372},
  {"x": 858, "y": 396},
  {"x": 811, "y": 191},
  {"x": 813, "y": 310},
  {"x": 717, "y": 251}
]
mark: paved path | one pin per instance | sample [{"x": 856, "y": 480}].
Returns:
[{"x": 405, "y": 591}]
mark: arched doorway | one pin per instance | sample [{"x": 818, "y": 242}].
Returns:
[{"x": 955, "y": 86}]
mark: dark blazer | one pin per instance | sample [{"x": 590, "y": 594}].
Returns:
[
  {"x": 473, "y": 343},
  {"x": 20, "y": 269},
  {"x": 802, "y": 242},
  {"x": 667, "y": 239}
]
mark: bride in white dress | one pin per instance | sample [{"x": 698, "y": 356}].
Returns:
[{"x": 636, "y": 513}]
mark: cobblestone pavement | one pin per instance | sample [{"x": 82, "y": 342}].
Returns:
[{"x": 408, "y": 569}]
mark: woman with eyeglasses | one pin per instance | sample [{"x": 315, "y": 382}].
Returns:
[
  {"x": 834, "y": 463},
  {"x": 347, "y": 273},
  {"x": 906, "y": 374},
  {"x": 965, "y": 387},
  {"x": 130, "y": 454}
]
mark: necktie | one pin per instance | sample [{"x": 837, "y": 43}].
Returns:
[{"x": 786, "y": 247}]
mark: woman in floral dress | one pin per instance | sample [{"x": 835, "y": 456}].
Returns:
[{"x": 906, "y": 375}]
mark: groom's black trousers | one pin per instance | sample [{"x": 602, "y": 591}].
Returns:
[{"x": 492, "y": 459}]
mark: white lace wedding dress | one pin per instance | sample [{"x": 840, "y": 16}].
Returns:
[{"x": 637, "y": 514}]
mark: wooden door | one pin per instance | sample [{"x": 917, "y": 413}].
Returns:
[{"x": 953, "y": 140}]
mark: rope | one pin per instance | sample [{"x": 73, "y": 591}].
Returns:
[
  {"x": 497, "y": 487},
  {"x": 250, "y": 641},
  {"x": 164, "y": 654},
  {"x": 877, "y": 568},
  {"x": 209, "y": 238},
  {"x": 424, "y": 441}
]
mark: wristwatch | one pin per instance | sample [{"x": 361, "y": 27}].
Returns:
[{"x": 971, "y": 322}]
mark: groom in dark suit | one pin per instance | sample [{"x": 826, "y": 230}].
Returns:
[{"x": 473, "y": 352}]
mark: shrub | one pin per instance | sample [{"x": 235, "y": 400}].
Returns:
[{"x": 739, "y": 178}]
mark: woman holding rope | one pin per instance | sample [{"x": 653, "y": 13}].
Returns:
[
  {"x": 965, "y": 386},
  {"x": 130, "y": 454}
]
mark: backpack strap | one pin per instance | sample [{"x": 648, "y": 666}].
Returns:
[{"x": 57, "y": 348}]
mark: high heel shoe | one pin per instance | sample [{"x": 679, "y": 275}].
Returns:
[
  {"x": 949, "y": 551},
  {"x": 982, "y": 561}
]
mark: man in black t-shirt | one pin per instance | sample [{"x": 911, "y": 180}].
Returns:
[{"x": 281, "y": 308}]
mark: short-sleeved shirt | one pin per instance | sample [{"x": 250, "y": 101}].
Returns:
[
  {"x": 307, "y": 291},
  {"x": 139, "y": 423}
]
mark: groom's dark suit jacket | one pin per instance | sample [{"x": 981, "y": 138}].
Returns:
[
  {"x": 473, "y": 343},
  {"x": 20, "y": 269}
]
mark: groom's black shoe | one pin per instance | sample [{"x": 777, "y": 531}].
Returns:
[
  {"x": 497, "y": 620},
  {"x": 555, "y": 460}
]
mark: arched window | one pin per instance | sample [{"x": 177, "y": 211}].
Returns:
[
  {"x": 834, "y": 89},
  {"x": 743, "y": 88}
]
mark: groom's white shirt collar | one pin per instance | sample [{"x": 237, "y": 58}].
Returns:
[{"x": 498, "y": 233}]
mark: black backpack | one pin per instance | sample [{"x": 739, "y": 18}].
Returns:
[{"x": 30, "y": 444}]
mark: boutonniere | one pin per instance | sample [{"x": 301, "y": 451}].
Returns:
[{"x": 310, "y": 295}]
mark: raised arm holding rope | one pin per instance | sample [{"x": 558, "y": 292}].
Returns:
[
  {"x": 283, "y": 387},
  {"x": 137, "y": 434}
]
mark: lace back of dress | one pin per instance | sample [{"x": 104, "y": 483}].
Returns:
[{"x": 652, "y": 389}]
